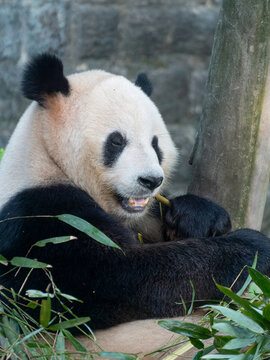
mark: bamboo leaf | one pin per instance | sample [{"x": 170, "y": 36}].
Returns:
[
  {"x": 220, "y": 341},
  {"x": 2, "y": 150},
  {"x": 114, "y": 355},
  {"x": 28, "y": 263},
  {"x": 77, "y": 345},
  {"x": 228, "y": 356},
  {"x": 187, "y": 329},
  {"x": 198, "y": 344},
  {"x": 33, "y": 333},
  {"x": 239, "y": 318},
  {"x": 238, "y": 343},
  {"x": 32, "y": 305},
  {"x": 232, "y": 330},
  {"x": 38, "y": 294},
  {"x": 37, "y": 344},
  {"x": 253, "y": 313},
  {"x": 192, "y": 300},
  {"x": 266, "y": 343},
  {"x": 248, "y": 280},
  {"x": 45, "y": 312},
  {"x": 69, "y": 323},
  {"x": 262, "y": 281},
  {"x": 203, "y": 352},
  {"x": 55, "y": 240},
  {"x": 70, "y": 297},
  {"x": 88, "y": 229},
  {"x": 3, "y": 260},
  {"x": 60, "y": 347},
  {"x": 266, "y": 312}
]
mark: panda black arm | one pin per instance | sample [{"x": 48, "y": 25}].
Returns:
[
  {"x": 143, "y": 282},
  {"x": 53, "y": 200}
]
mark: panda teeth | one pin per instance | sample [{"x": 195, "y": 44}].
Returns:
[{"x": 138, "y": 202}]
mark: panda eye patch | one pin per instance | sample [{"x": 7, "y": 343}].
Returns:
[
  {"x": 157, "y": 148},
  {"x": 113, "y": 146}
]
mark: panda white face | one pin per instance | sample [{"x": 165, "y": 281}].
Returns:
[
  {"x": 135, "y": 171},
  {"x": 128, "y": 146},
  {"x": 109, "y": 139}
]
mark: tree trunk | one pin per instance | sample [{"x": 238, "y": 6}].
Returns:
[{"x": 231, "y": 157}]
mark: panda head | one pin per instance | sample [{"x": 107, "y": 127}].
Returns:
[{"x": 103, "y": 132}]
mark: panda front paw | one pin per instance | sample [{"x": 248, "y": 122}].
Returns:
[{"x": 191, "y": 216}]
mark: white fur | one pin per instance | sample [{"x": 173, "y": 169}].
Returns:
[{"x": 64, "y": 144}]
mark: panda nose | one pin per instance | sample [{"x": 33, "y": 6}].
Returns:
[{"x": 150, "y": 182}]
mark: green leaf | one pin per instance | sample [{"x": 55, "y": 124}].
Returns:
[
  {"x": 238, "y": 343},
  {"x": 187, "y": 329},
  {"x": 239, "y": 318},
  {"x": 253, "y": 291},
  {"x": 69, "y": 323},
  {"x": 33, "y": 333},
  {"x": 1, "y": 153},
  {"x": 232, "y": 330},
  {"x": 38, "y": 294},
  {"x": 32, "y": 305},
  {"x": 192, "y": 300},
  {"x": 262, "y": 281},
  {"x": 60, "y": 347},
  {"x": 45, "y": 312},
  {"x": 248, "y": 280},
  {"x": 198, "y": 344},
  {"x": 266, "y": 312},
  {"x": 70, "y": 297},
  {"x": 88, "y": 229},
  {"x": 28, "y": 263},
  {"x": 203, "y": 352},
  {"x": 37, "y": 344},
  {"x": 55, "y": 240},
  {"x": 228, "y": 356},
  {"x": 253, "y": 313},
  {"x": 3, "y": 260},
  {"x": 265, "y": 345},
  {"x": 77, "y": 345},
  {"x": 114, "y": 355},
  {"x": 220, "y": 341}
]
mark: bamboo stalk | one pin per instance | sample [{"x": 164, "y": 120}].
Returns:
[{"x": 163, "y": 200}]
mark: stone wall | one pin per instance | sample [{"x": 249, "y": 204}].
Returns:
[{"x": 169, "y": 39}]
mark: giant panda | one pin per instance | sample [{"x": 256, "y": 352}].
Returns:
[{"x": 94, "y": 145}]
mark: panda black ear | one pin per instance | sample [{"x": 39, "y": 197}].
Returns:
[
  {"x": 144, "y": 83},
  {"x": 44, "y": 76}
]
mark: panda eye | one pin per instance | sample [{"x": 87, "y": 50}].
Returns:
[
  {"x": 117, "y": 139},
  {"x": 157, "y": 148}
]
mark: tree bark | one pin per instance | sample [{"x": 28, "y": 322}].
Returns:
[{"x": 231, "y": 157}]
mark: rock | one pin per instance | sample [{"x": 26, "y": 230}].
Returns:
[{"x": 94, "y": 31}]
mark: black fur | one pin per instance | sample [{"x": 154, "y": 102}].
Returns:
[
  {"x": 44, "y": 76},
  {"x": 113, "y": 146},
  {"x": 193, "y": 216},
  {"x": 144, "y": 83},
  {"x": 157, "y": 149},
  {"x": 146, "y": 281}
]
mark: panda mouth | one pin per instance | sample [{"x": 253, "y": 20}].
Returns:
[{"x": 133, "y": 204}]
